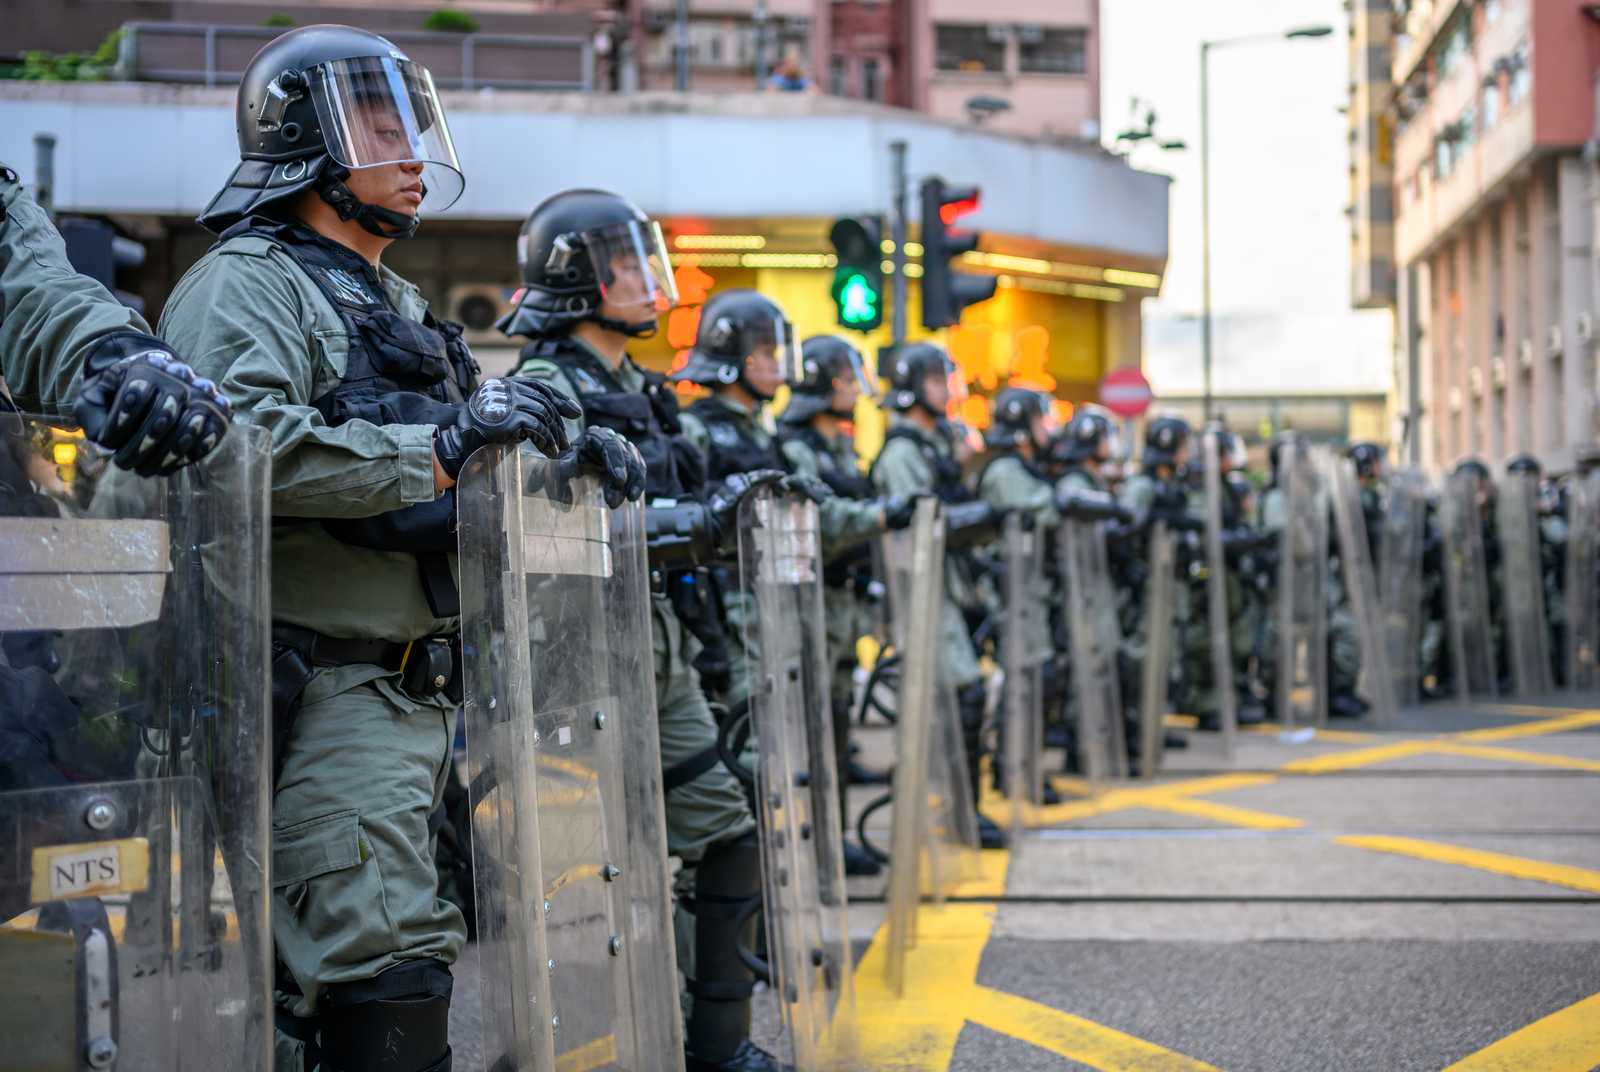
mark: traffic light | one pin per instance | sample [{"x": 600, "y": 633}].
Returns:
[
  {"x": 946, "y": 292},
  {"x": 858, "y": 280},
  {"x": 96, "y": 250}
]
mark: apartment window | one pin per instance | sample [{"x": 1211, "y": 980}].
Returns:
[
  {"x": 837, "y": 71},
  {"x": 1053, "y": 51},
  {"x": 1489, "y": 105},
  {"x": 1457, "y": 39},
  {"x": 872, "y": 79},
  {"x": 1491, "y": 10},
  {"x": 970, "y": 48},
  {"x": 1521, "y": 76}
]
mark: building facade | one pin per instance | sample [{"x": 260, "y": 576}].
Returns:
[{"x": 1489, "y": 126}]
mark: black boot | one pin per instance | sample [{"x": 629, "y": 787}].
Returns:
[
  {"x": 748, "y": 1058},
  {"x": 969, "y": 702},
  {"x": 859, "y": 862},
  {"x": 718, "y": 1035}
]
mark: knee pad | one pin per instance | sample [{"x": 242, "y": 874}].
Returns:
[{"x": 398, "y": 1021}]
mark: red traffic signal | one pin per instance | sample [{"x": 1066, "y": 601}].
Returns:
[{"x": 945, "y": 292}]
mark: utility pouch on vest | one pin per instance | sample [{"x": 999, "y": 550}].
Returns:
[
  {"x": 405, "y": 350},
  {"x": 430, "y": 667}
]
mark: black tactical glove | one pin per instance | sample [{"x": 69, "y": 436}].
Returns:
[
  {"x": 898, "y": 510},
  {"x": 506, "y": 411},
  {"x": 795, "y": 484},
  {"x": 723, "y": 502},
  {"x": 603, "y": 453},
  {"x": 970, "y": 523},
  {"x": 147, "y": 407},
  {"x": 1082, "y": 504}
]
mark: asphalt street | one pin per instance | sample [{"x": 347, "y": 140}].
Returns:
[{"x": 1422, "y": 896}]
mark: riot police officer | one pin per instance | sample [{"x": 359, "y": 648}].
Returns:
[
  {"x": 373, "y": 407},
  {"x": 68, "y": 345},
  {"x": 596, "y": 276},
  {"x": 920, "y": 456},
  {"x": 1552, "y": 558},
  {"x": 1084, "y": 447},
  {"x": 816, "y": 435},
  {"x": 744, "y": 350}
]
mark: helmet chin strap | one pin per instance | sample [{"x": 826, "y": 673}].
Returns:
[
  {"x": 635, "y": 329},
  {"x": 383, "y": 222}
]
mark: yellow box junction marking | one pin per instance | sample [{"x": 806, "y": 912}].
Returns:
[
  {"x": 1516, "y": 755},
  {"x": 1577, "y": 878},
  {"x": 919, "y": 1032},
  {"x": 1565, "y": 1041},
  {"x": 1539, "y": 728}
]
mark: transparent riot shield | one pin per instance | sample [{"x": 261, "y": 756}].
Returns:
[
  {"x": 1155, "y": 674},
  {"x": 1527, "y": 639},
  {"x": 1024, "y": 651},
  {"x": 1400, "y": 581},
  {"x": 134, "y": 757},
  {"x": 932, "y": 837},
  {"x": 1217, "y": 618},
  {"x": 575, "y": 942},
  {"x": 1468, "y": 622},
  {"x": 1302, "y": 657},
  {"x": 1361, "y": 587},
  {"x": 1096, "y": 636},
  {"x": 1579, "y": 587},
  {"x": 803, "y": 893}
]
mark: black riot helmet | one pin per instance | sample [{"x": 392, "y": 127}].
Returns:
[
  {"x": 1013, "y": 412},
  {"x": 1474, "y": 467},
  {"x": 579, "y": 248},
  {"x": 824, "y": 359},
  {"x": 1368, "y": 459},
  {"x": 735, "y": 324},
  {"x": 322, "y": 101},
  {"x": 1524, "y": 463},
  {"x": 909, "y": 370},
  {"x": 1091, "y": 430},
  {"x": 1164, "y": 437}
]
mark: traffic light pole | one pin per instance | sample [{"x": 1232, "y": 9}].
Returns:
[{"x": 897, "y": 164}]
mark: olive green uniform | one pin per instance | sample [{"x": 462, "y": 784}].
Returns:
[
  {"x": 354, "y": 887},
  {"x": 903, "y": 469},
  {"x": 50, "y": 316}
]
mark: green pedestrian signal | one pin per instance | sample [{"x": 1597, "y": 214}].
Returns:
[
  {"x": 858, "y": 300},
  {"x": 858, "y": 280}
]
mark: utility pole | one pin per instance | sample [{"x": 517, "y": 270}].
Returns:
[
  {"x": 44, "y": 171},
  {"x": 1205, "y": 227},
  {"x": 680, "y": 48},
  {"x": 761, "y": 44},
  {"x": 897, "y": 165}
]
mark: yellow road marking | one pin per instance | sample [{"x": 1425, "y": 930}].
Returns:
[
  {"x": 1565, "y": 1041},
  {"x": 1158, "y": 797},
  {"x": 1224, "y": 813},
  {"x": 1360, "y": 757},
  {"x": 1577, "y": 878},
  {"x": 918, "y": 1033},
  {"x": 1533, "y": 729},
  {"x": 991, "y": 879},
  {"x": 600, "y": 1053},
  {"x": 1516, "y": 755},
  {"x": 1531, "y": 710},
  {"x": 1073, "y": 1037}
]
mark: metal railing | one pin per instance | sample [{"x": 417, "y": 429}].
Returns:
[{"x": 216, "y": 55}]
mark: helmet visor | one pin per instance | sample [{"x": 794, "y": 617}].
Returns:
[
  {"x": 630, "y": 264},
  {"x": 379, "y": 110},
  {"x": 778, "y": 335},
  {"x": 868, "y": 384}
]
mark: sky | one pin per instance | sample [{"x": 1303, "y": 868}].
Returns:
[{"x": 1279, "y": 157}]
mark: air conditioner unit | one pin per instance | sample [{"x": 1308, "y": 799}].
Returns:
[
  {"x": 1497, "y": 372},
  {"x": 476, "y": 306},
  {"x": 1584, "y": 328},
  {"x": 1525, "y": 355},
  {"x": 1552, "y": 341},
  {"x": 1475, "y": 381}
]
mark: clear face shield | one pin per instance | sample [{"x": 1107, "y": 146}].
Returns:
[
  {"x": 630, "y": 264},
  {"x": 850, "y": 385},
  {"x": 381, "y": 110}
]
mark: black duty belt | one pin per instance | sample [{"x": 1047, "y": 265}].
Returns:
[{"x": 323, "y": 650}]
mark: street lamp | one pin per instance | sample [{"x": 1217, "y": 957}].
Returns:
[{"x": 1303, "y": 32}]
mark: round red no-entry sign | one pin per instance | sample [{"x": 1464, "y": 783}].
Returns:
[{"x": 1126, "y": 392}]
